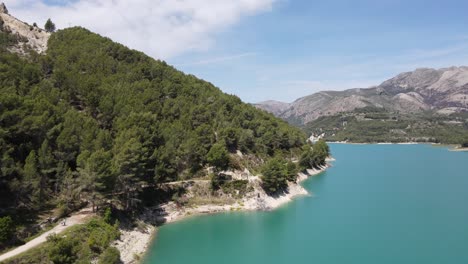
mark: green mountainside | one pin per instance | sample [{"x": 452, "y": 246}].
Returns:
[
  {"x": 89, "y": 123},
  {"x": 424, "y": 105},
  {"x": 93, "y": 109},
  {"x": 92, "y": 121},
  {"x": 370, "y": 124}
]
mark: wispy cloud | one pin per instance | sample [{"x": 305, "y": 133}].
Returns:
[
  {"x": 163, "y": 28},
  {"x": 290, "y": 80},
  {"x": 218, "y": 59},
  {"x": 421, "y": 54}
]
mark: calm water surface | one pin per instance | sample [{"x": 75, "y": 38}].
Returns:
[{"x": 377, "y": 204}]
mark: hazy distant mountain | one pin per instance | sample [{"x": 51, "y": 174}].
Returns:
[
  {"x": 443, "y": 91},
  {"x": 272, "y": 106}
]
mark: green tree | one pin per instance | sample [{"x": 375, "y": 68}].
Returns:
[
  {"x": 291, "y": 171},
  {"x": 96, "y": 178},
  {"x": 93, "y": 120},
  {"x": 231, "y": 137},
  {"x": 129, "y": 165},
  {"x": 110, "y": 256},
  {"x": 308, "y": 160},
  {"x": 218, "y": 156},
  {"x": 32, "y": 180},
  {"x": 464, "y": 143},
  {"x": 314, "y": 156},
  {"x": 49, "y": 26},
  {"x": 274, "y": 176},
  {"x": 7, "y": 229},
  {"x": 322, "y": 150},
  {"x": 108, "y": 215},
  {"x": 62, "y": 250}
]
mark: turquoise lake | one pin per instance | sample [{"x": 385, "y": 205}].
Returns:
[{"x": 377, "y": 204}]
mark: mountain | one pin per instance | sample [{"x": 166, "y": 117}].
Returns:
[
  {"x": 89, "y": 96},
  {"x": 426, "y": 105},
  {"x": 22, "y": 36},
  {"x": 274, "y": 107},
  {"x": 442, "y": 91},
  {"x": 87, "y": 121}
]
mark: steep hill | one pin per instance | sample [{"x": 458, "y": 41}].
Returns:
[
  {"x": 91, "y": 100},
  {"x": 272, "y": 106},
  {"x": 85, "y": 121},
  {"x": 27, "y": 37},
  {"x": 442, "y": 91}
]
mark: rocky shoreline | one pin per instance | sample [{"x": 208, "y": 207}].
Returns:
[{"x": 134, "y": 243}]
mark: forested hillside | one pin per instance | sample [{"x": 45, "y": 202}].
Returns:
[
  {"x": 95, "y": 121},
  {"x": 370, "y": 124}
]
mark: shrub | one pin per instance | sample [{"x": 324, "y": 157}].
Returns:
[
  {"x": 108, "y": 216},
  {"x": 110, "y": 256},
  {"x": 62, "y": 250},
  {"x": 101, "y": 234},
  {"x": 7, "y": 228},
  {"x": 464, "y": 143},
  {"x": 232, "y": 187},
  {"x": 62, "y": 211},
  {"x": 218, "y": 179}
]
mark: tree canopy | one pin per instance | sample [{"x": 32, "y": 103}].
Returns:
[
  {"x": 49, "y": 26},
  {"x": 95, "y": 120}
]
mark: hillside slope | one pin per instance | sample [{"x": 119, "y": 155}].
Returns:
[
  {"x": 90, "y": 122},
  {"x": 272, "y": 106},
  {"x": 27, "y": 37},
  {"x": 96, "y": 109},
  {"x": 443, "y": 91}
]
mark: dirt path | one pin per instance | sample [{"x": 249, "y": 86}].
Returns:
[
  {"x": 78, "y": 218},
  {"x": 185, "y": 181}
]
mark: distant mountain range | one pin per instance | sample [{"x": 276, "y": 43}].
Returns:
[{"x": 442, "y": 91}]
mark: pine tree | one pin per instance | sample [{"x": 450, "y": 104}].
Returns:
[
  {"x": 32, "y": 179},
  {"x": 49, "y": 26},
  {"x": 218, "y": 156},
  {"x": 274, "y": 176}
]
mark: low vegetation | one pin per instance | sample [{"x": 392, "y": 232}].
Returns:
[
  {"x": 80, "y": 244},
  {"x": 378, "y": 125}
]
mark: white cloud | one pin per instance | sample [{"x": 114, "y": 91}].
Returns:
[{"x": 161, "y": 28}]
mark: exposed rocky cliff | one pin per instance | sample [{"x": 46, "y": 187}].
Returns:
[
  {"x": 443, "y": 91},
  {"x": 28, "y": 37}
]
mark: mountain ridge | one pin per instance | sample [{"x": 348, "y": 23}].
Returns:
[
  {"x": 442, "y": 91},
  {"x": 27, "y": 37}
]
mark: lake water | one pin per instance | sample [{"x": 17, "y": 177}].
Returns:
[{"x": 377, "y": 204}]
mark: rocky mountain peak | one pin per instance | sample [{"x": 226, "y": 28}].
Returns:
[
  {"x": 3, "y": 8},
  {"x": 419, "y": 78},
  {"x": 27, "y": 37},
  {"x": 439, "y": 90}
]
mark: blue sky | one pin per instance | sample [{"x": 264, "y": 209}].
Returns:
[
  {"x": 301, "y": 47},
  {"x": 285, "y": 49}
]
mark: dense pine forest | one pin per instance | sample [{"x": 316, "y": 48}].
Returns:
[{"x": 95, "y": 122}]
